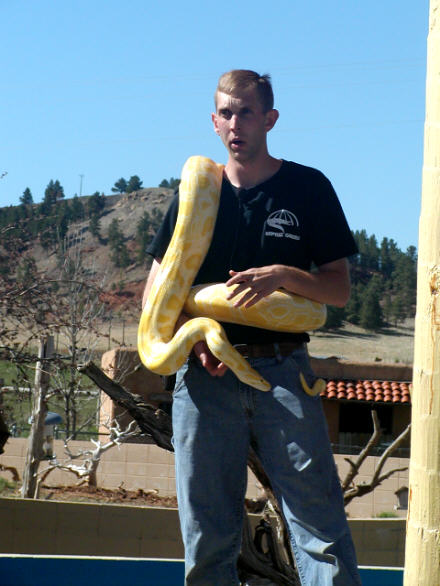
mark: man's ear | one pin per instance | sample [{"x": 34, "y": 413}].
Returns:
[
  {"x": 271, "y": 118},
  {"x": 214, "y": 121}
]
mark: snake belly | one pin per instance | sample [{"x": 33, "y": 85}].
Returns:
[{"x": 164, "y": 350}]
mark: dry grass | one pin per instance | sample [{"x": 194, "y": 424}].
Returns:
[{"x": 391, "y": 345}]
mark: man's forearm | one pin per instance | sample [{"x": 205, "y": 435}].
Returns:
[{"x": 330, "y": 284}]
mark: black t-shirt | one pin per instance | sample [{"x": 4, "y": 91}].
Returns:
[{"x": 294, "y": 218}]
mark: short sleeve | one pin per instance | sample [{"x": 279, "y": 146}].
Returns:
[{"x": 329, "y": 236}]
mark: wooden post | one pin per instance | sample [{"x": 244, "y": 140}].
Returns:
[
  {"x": 422, "y": 565},
  {"x": 34, "y": 453}
]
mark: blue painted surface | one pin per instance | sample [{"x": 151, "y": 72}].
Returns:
[
  {"x": 75, "y": 570},
  {"x": 381, "y": 576}
]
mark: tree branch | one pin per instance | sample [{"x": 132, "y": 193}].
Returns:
[
  {"x": 351, "y": 490},
  {"x": 152, "y": 422},
  {"x": 354, "y": 466}
]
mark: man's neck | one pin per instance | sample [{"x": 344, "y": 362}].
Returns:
[{"x": 249, "y": 174}]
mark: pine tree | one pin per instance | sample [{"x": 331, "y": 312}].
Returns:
[
  {"x": 134, "y": 184},
  {"x": 372, "y": 253},
  {"x": 385, "y": 261},
  {"x": 95, "y": 204},
  {"x": 335, "y": 317},
  {"x": 77, "y": 209},
  {"x": 54, "y": 192},
  {"x": 388, "y": 307},
  {"x": 370, "y": 315},
  {"x": 120, "y": 186},
  {"x": 398, "y": 309},
  {"x": 352, "y": 309},
  {"x": 143, "y": 235},
  {"x": 116, "y": 241},
  {"x": 171, "y": 183},
  {"x": 404, "y": 279},
  {"x": 26, "y": 198},
  {"x": 95, "y": 226}
]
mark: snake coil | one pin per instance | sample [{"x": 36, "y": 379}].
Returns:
[{"x": 164, "y": 350}]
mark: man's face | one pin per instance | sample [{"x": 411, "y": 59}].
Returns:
[{"x": 242, "y": 125}]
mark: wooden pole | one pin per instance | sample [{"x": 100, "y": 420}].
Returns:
[{"x": 422, "y": 565}]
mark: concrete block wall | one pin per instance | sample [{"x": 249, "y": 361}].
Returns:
[
  {"x": 379, "y": 542},
  {"x": 55, "y": 528},
  {"x": 59, "y": 528}
]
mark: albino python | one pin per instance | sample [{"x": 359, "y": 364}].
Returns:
[{"x": 164, "y": 350}]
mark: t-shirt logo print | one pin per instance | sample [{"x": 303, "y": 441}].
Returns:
[{"x": 282, "y": 224}]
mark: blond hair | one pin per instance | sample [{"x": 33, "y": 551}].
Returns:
[{"x": 241, "y": 80}]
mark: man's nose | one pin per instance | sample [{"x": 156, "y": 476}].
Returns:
[{"x": 235, "y": 122}]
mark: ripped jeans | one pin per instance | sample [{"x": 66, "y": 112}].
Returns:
[{"x": 215, "y": 420}]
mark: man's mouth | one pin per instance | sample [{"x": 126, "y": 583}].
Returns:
[{"x": 237, "y": 143}]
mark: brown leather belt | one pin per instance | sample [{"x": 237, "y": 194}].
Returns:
[{"x": 268, "y": 350}]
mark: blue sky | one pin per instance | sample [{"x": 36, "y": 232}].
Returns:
[{"x": 108, "y": 89}]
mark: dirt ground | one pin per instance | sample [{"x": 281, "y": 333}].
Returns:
[{"x": 119, "y": 496}]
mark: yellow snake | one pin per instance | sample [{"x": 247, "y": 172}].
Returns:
[{"x": 164, "y": 350}]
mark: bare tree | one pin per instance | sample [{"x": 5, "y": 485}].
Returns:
[
  {"x": 352, "y": 490},
  {"x": 67, "y": 306},
  {"x": 77, "y": 314},
  {"x": 84, "y": 463},
  {"x": 34, "y": 453}
]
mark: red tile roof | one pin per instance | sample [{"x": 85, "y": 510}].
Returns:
[{"x": 368, "y": 390}]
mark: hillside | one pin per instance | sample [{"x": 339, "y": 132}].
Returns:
[{"x": 124, "y": 286}]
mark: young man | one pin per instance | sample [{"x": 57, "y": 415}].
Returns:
[{"x": 275, "y": 219}]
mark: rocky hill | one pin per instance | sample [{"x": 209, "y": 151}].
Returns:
[{"x": 123, "y": 286}]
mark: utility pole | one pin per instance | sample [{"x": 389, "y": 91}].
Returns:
[
  {"x": 80, "y": 185},
  {"x": 422, "y": 565}
]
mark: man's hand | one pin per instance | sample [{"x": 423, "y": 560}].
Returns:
[
  {"x": 208, "y": 360},
  {"x": 257, "y": 282}
]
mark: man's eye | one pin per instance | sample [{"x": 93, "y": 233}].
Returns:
[{"x": 226, "y": 114}]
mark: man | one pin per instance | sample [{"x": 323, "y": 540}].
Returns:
[{"x": 275, "y": 219}]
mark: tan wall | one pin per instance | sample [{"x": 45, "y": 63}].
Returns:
[
  {"x": 148, "y": 467},
  {"x": 59, "y": 528},
  {"x": 55, "y": 528}
]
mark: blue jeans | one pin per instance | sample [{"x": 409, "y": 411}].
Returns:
[{"x": 214, "y": 422}]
